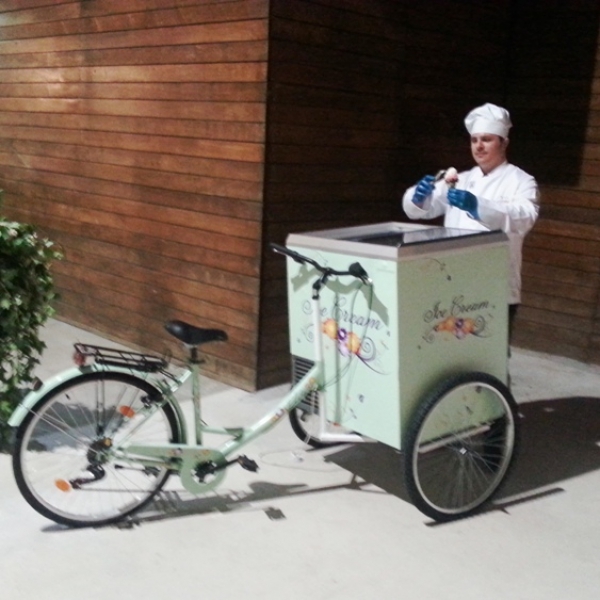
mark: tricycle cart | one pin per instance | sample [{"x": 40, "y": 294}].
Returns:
[
  {"x": 406, "y": 345},
  {"x": 418, "y": 360}
]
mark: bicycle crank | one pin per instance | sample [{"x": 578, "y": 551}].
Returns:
[{"x": 205, "y": 469}]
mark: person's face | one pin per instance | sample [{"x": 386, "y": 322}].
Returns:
[{"x": 488, "y": 150}]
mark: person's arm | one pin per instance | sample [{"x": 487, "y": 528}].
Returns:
[
  {"x": 516, "y": 214},
  {"x": 431, "y": 206}
]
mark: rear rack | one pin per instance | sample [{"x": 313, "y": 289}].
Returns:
[{"x": 148, "y": 363}]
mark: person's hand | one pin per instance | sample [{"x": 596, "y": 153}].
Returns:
[
  {"x": 464, "y": 200},
  {"x": 423, "y": 190}
]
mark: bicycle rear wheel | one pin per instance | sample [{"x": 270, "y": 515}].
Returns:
[
  {"x": 63, "y": 461},
  {"x": 460, "y": 446}
]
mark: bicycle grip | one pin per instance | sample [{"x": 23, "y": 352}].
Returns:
[
  {"x": 357, "y": 270},
  {"x": 287, "y": 252}
]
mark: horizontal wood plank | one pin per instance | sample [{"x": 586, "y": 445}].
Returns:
[
  {"x": 208, "y": 136},
  {"x": 230, "y": 188},
  {"x": 172, "y": 161},
  {"x": 198, "y": 53},
  {"x": 195, "y": 232},
  {"x": 253, "y": 92},
  {"x": 75, "y": 18},
  {"x": 74, "y": 192},
  {"x": 540, "y": 299},
  {"x": 159, "y": 36}
]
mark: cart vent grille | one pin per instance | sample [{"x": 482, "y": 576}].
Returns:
[{"x": 300, "y": 367}]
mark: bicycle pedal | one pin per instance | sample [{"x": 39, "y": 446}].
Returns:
[{"x": 247, "y": 463}]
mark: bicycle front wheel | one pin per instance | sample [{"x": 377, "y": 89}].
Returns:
[
  {"x": 64, "y": 462},
  {"x": 306, "y": 423},
  {"x": 460, "y": 446}
]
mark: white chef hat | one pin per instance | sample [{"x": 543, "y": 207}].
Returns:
[{"x": 488, "y": 118}]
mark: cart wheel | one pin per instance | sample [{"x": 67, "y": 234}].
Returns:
[{"x": 460, "y": 445}]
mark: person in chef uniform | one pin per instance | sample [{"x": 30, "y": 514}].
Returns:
[{"x": 493, "y": 195}]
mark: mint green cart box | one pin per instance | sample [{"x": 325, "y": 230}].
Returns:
[{"x": 438, "y": 307}]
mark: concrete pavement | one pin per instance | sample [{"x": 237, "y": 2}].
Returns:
[{"x": 336, "y": 523}]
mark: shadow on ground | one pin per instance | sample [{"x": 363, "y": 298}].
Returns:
[{"x": 560, "y": 439}]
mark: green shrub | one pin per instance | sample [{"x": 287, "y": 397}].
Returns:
[{"x": 26, "y": 294}]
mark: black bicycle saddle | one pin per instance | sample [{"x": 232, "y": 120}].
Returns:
[{"x": 192, "y": 335}]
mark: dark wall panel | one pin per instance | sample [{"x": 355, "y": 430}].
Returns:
[
  {"x": 551, "y": 87},
  {"x": 332, "y": 136}
]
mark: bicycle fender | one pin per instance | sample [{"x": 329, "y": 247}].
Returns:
[{"x": 33, "y": 397}]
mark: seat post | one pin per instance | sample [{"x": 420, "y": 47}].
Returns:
[
  {"x": 195, "y": 367},
  {"x": 194, "y": 355}
]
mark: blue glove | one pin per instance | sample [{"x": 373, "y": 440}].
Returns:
[
  {"x": 423, "y": 190},
  {"x": 463, "y": 200}
]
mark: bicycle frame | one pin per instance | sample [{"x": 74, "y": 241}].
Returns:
[
  {"x": 184, "y": 458},
  {"x": 90, "y": 428}
]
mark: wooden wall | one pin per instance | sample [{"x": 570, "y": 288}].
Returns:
[
  {"x": 165, "y": 143},
  {"x": 133, "y": 134}
]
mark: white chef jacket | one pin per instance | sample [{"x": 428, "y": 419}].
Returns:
[{"x": 507, "y": 199}]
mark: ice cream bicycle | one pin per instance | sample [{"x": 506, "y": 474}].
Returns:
[
  {"x": 398, "y": 335},
  {"x": 417, "y": 360}
]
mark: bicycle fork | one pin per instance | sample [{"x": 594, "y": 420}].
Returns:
[
  {"x": 324, "y": 434},
  {"x": 200, "y": 468}
]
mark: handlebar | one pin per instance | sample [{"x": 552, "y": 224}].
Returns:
[{"x": 355, "y": 269}]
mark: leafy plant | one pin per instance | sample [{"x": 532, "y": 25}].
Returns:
[{"x": 26, "y": 294}]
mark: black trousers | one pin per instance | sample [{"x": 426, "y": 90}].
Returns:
[{"x": 512, "y": 313}]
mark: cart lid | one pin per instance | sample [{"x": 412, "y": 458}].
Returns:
[{"x": 395, "y": 240}]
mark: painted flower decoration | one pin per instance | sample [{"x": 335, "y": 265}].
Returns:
[
  {"x": 347, "y": 341},
  {"x": 458, "y": 327}
]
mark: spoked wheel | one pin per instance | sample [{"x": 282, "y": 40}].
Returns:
[
  {"x": 460, "y": 445},
  {"x": 305, "y": 422},
  {"x": 64, "y": 462}
]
